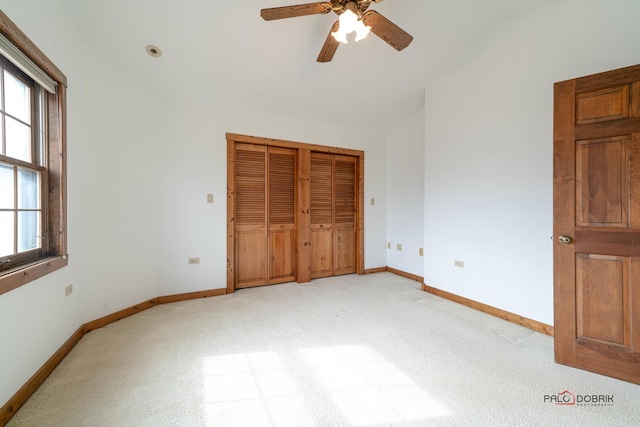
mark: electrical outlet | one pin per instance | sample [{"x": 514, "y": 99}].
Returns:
[
  {"x": 373, "y": 202},
  {"x": 68, "y": 290},
  {"x": 457, "y": 263},
  {"x": 388, "y": 245},
  {"x": 209, "y": 198},
  {"x": 194, "y": 260},
  {"x": 421, "y": 252},
  {"x": 399, "y": 247}
]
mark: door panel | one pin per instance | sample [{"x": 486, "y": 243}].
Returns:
[
  {"x": 345, "y": 215},
  {"x": 345, "y": 260},
  {"x": 321, "y": 189},
  {"x": 282, "y": 215},
  {"x": 282, "y": 256},
  {"x": 251, "y": 258},
  {"x": 322, "y": 259},
  {"x": 251, "y": 231},
  {"x": 602, "y": 299},
  {"x": 634, "y": 180},
  {"x": 322, "y": 201},
  {"x": 602, "y": 181},
  {"x": 345, "y": 190},
  {"x": 250, "y": 185},
  {"x": 602, "y": 105},
  {"x": 597, "y": 205}
]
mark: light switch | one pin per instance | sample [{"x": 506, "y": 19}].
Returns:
[{"x": 209, "y": 198}]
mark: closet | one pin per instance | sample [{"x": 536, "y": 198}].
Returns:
[
  {"x": 294, "y": 211},
  {"x": 333, "y": 215}
]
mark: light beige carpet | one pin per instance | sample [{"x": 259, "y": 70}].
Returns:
[{"x": 354, "y": 350}]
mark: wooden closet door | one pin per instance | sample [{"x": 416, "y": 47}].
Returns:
[
  {"x": 251, "y": 216},
  {"x": 333, "y": 215},
  {"x": 321, "y": 215},
  {"x": 282, "y": 215},
  {"x": 294, "y": 211},
  {"x": 265, "y": 234},
  {"x": 345, "y": 215}
]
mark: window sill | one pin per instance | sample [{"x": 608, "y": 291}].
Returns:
[{"x": 24, "y": 274}]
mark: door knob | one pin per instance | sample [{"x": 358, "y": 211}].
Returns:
[{"x": 565, "y": 239}]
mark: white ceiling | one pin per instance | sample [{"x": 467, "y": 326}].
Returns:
[{"x": 221, "y": 53}]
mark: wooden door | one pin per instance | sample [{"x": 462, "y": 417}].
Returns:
[
  {"x": 251, "y": 215},
  {"x": 282, "y": 215},
  {"x": 345, "y": 215},
  {"x": 265, "y": 211},
  {"x": 333, "y": 214},
  {"x": 597, "y": 223},
  {"x": 322, "y": 201}
]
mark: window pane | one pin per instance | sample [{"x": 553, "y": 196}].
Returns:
[
  {"x": 18, "y": 140},
  {"x": 17, "y": 101},
  {"x": 6, "y": 187},
  {"x": 28, "y": 230},
  {"x": 6, "y": 233},
  {"x": 28, "y": 189}
]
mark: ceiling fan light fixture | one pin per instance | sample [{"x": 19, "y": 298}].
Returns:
[
  {"x": 353, "y": 16},
  {"x": 349, "y": 22},
  {"x": 362, "y": 31}
]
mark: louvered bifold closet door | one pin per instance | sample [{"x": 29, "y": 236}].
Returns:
[
  {"x": 345, "y": 215},
  {"x": 321, "y": 215},
  {"x": 282, "y": 215},
  {"x": 251, "y": 216}
]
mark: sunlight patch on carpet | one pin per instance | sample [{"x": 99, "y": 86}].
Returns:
[
  {"x": 368, "y": 389},
  {"x": 251, "y": 389}
]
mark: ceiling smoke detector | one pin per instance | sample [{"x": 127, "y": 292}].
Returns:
[{"x": 153, "y": 51}]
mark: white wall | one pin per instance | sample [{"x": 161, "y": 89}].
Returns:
[
  {"x": 112, "y": 202},
  {"x": 139, "y": 169},
  {"x": 405, "y": 194},
  {"x": 489, "y": 145}
]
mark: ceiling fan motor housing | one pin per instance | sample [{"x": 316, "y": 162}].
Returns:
[{"x": 352, "y": 6}]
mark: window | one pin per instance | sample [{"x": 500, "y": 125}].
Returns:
[
  {"x": 21, "y": 167},
  {"x": 32, "y": 161}
]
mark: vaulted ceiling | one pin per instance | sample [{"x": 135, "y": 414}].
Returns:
[{"x": 223, "y": 54}]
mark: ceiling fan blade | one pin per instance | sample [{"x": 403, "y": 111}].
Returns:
[
  {"x": 387, "y": 30},
  {"x": 296, "y": 10},
  {"x": 330, "y": 46}
]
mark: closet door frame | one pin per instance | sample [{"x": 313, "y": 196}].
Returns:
[{"x": 303, "y": 242}]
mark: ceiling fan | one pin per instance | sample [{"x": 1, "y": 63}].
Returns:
[{"x": 354, "y": 16}]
